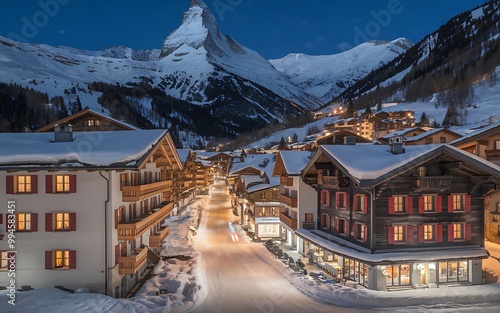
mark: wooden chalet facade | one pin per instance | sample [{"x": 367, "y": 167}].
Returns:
[
  {"x": 485, "y": 143},
  {"x": 89, "y": 120},
  {"x": 89, "y": 220},
  {"x": 392, "y": 221},
  {"x": 434, "y": 136}
]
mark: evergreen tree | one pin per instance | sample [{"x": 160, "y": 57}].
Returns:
[
  {"x": 424, "y": 120},
  {"x": 295, "y": 137},
  {"x": 350, "y": 109},
  {"x": 282, "y": 145},
  {"x": 452, "y": 116}
]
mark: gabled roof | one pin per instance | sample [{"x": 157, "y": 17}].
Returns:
[
  {"x": 292, "y": 162},
  {"x": 477, "y": 134},
  {"x": 88, "y": 150},
  {"x": 370, "y": 165},
  {"x": 69, "y": 119},
  {"x": 405, "y": 131},
  {"x": 183, "y": 154},
  {"x": 432, "y": 132}
]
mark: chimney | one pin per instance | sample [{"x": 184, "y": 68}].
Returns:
[
  {"x": 350, "y": 140},
  {"x": 396, "y": 144},
  {"x": 63, "y": 133}
]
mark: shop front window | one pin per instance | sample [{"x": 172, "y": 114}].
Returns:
[
  {"x": 398, "y": 275},
  {"x": 453, "y": 271}
]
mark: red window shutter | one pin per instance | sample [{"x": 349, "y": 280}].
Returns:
[
  {"x": 467, "y": 203},
  {"x": 365, "y": 208},
  {"x": 337, "y": 223},
  {"x": 48, "y": 184},
  {"x": 72, "y": 183},
  {"x": 356, "y": 225},
  {"x": 450, "y": 204},
  {"x": 346, "y": 196},
  {"x": 117, "y": 217},
  {"x": 34, "y": 183},
  {"x": 9, "y": 184},
  {"x": 117, "y": 253},
  {"x": 338, "y": 200},
  {"x": 451, "y": 237},
  {"x": 72, "y": 221},
  {"x": 48, "y": 222},
  {"x": 34, "y": 222},
  {"x": 390, "y": 235},
  {"x": 72, "y": 259},
  {"x": 468, "y": 231},
  {"x": 321, "y": 197},
  {"x": 409, "y": 205},
  {"x": 390, "y": 205},
  {"x": 1, "y": 218},
  {"x": 48, "y": 260},
  {"x": 347, "y": 232},
  {"x": 356, "y": 202},
  {"x": 439, "y": 233},
  {"x": 421, "y": 205},
  {"x": 409, "y": 234},
  {"x": 420, "y": 233},
  {"x": 439, "y": 204},
  {"x": 327, "y": 198},
  {"x": 365, "y": 237}
]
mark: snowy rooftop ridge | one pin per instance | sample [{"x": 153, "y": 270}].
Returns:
[
  {"x": 295, "y": 161},
  {"x": 89, "y": 149}
]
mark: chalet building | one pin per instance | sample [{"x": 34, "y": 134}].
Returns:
[
  {"x": 221, "y": 161},
  {"x": 88, "y": 206},
  {"x": 393, "y": 218},
  {"x": 434, "y": 136},
  {"x": 340, "y": 137},
  {"x": 485, "y": 143},
  {"x": 299, "y": 205},
  {"x": 89, "y": 120},
  {"x": 405, "y": 133}
]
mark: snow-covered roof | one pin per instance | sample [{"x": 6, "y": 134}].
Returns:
[
  {"x": 370, "y": 164},
  {"x": 388, "y": 257},
  {"x": 263, "y": 162},
  {"x": 258, "y": 187},
  {"x": 250, "y": 179},
  {"x": 295, "y": 161},
  {"x": 183, "y": 154},
  {"x": 476, "y": 133},
  {"x": 88, "y": 149},
  {"x": 429, "y": 133},
  {"x": 404, "y": 132}
]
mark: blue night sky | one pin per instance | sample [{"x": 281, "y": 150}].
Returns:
[{"x": 272, "y": 28}]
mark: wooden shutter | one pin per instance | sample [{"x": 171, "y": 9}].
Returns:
[
  {"x": 117, "y": 218},
  {"x": 320, "y": 179},
  {"x": 356, "y": 225},
  {"x": 347, "y": 230},
  {"x": 451, "y": 236},
  {"x": 439, "y": 233},
  {"x": 421, "y": 205},
  {"x": 1, "y": 218},
  {"x": 439, "y": 204},
  {"x": 34, "y": 222},
  {"x": 420, "y": 234},
  {"x": 34, "y": 183},
  {"x": 450, "y": 204},
  {"x": 48, "y": 222},
  {"x": 390, "y": 205},
  {"x": 117, "y": 253},
  {"x": 48, "y": 184},
  {"x": 467, "y": 203},
  {"x": 409, "y": 234},
  {"x": 409, "y": 205},
  {"x": 321, "y": 198},
  {"x": 365, "y": 203},
  {"x": 328, "y": 200},
  {"x": 48, "y": 260},
  {"x": 337, "y": 222},
  {"x": 390, "y": 235},
  {"x": 337, "y": 197},
  {"x": 72, "y": 183},
  {"x": 468, "y": 231},
  {"x": 346, "y": 197},
  {"x": 356, "y": 202},
  {"x": 365, "y": 237},
  {"x": 9, "y": 184},
  {"x": 72, "y": 259},
  {"x": 72, "y": 221}
]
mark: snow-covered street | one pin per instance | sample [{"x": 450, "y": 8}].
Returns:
[{"x": 222, "y": 270}]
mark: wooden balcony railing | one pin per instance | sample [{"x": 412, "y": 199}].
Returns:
[
  {"x": 156, "y": 239},
  {"x": 287, "y": 200},
  {"x": 286, "y": 181},
  {"x": 288, "y": 221},
  {"x": 141, "y": 192},
  {"x": 492, "y": 155},
  {"x": 333, "y": 181},
  {"x": 133, "y": 229},
  {"x": 432, "y": 183},
  {"x": 309, "y": 225},
  {"x": 132, "y": 264}
]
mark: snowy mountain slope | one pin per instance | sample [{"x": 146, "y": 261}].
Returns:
[{"x": 326, "y": 76}]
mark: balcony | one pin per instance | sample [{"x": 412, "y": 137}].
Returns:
[
  {"x": 288, "y": 221},
  {"x": 334, "y": 182},
  {"x": 141, "y": 192},
  {"x": 133, "y": 229},
  {"x": 492, "y": 155},
  {"x": 309, "y": 225},
  {"x": 432, "y": 183},
  {"x": 132, "y": 264},
  {"x": 287, "y": 200},
  {"x": 156, "y": 239}
]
